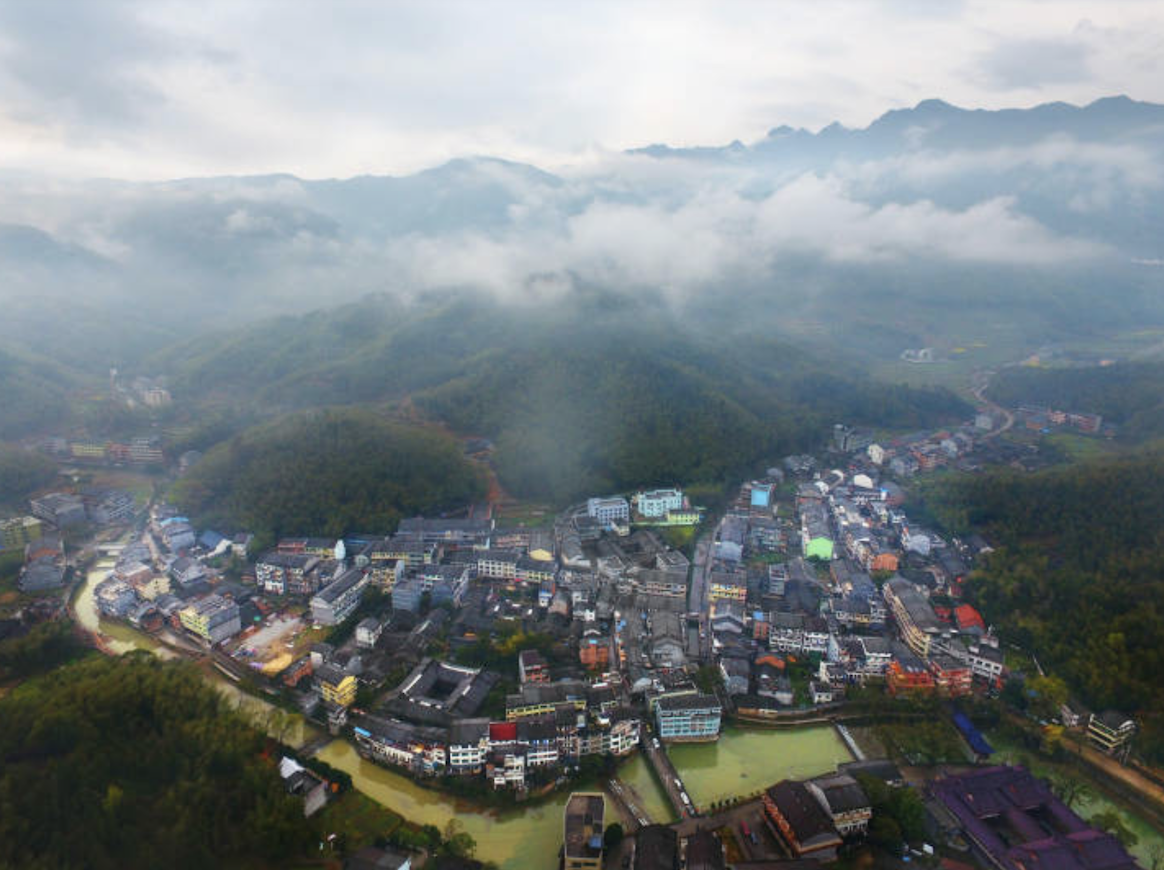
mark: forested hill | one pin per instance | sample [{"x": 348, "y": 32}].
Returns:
[
  {"x": 1130, "y": 395},
  {"x": 136, "y": 763},
  {"x": 326, "y": 473},
  {"x": 583, "y": 394},
  {"x": 1076, "y": 575}
]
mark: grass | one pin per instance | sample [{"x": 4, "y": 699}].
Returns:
[
  {"x": 1079, "y": 447},
  {"x": 930, "y": 741},
  {"x": 358, "y": 819}
]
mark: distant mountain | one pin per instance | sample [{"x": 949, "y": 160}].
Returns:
[
  {"x": 937, "y": 125},
  {"x": 932, "y": 227}
]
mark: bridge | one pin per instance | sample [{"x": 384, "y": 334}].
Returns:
[{"x": 669, "y": 777}]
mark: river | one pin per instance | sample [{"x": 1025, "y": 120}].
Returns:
[{"x": 528, "y": 837}]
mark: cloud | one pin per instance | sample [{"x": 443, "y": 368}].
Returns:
[
  {"x": 1014, "y": 64},
  {"x": 167, "y": 89}
]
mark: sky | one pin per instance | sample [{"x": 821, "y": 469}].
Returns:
[{"x": 161, "y": 89}]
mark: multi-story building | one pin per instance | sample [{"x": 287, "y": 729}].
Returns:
[
  {"x": 335, "y": 686},
  {"x": 418, "y": 748},
  {"x": 468, "y": 745},
  {"x": 655, "y": 503},
  {"x": 608, "y": 511},
  {"x": 338, "y": 600},
  {"x": 1110, "y": 731},
  {"x": 650, "y": 581},
  {"x": 804, "y": 826},
  {"x": 212, "y": 618},
  {"x": 582, "y": 831},
  {"x": 986, "y": 661},
  {"x": 17, "y": 532},
  {"x": 451, "y": 534},
  {"x": 498, "y": 564},
  {"x": 368, "y": 632},
  {"x": 281, "y": 573},
  {"x": 688, "y": 718},
  {"x": 531, "y": 570},
  {"x": 145, "y": 451},
  {"x": 731, "y": 585},
  {"x": 536, "y": 699},
  {"x": 916, "y": 620},
  {"x": 952, "y": 678},
  {"x": 59, "y": 509},
  {"x": 844, "y": 800},
  {"x": 532, "y": 667}
]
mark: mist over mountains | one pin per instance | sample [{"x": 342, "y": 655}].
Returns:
[{"x": 988, "y": 192}]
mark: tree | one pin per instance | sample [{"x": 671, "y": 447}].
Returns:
[
  {"x": 1110, "y": 821},
  {"x": 612, "y": 836},
  {"x": 1070, "y": 789},
  {"x": 457, "y": 842}
]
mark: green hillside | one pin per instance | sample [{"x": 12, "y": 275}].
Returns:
[
  {"x": 1076, "y": 574},
  {"x": 326, "y": 473},
  {"x": 583, "y": 394},
  {"x": 21, "y": 473},
  {"x": 1130, "y": 395},
  {"x": 137, "y": 763}
]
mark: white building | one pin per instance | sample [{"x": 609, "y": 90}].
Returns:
[
  {"x": 656, "y": 502},
  {"x": 609, "y": 510}
]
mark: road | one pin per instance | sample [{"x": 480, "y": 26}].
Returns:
[
  {"x": 980, "y": 381},
  {"x": 629, "y": 804}
]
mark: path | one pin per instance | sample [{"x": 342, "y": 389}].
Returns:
[{"x": 629, "y": 804}]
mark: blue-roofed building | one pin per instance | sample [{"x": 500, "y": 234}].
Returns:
[
  {"x": 972, "y": 735},
  {"x": 210, "y": 539}
]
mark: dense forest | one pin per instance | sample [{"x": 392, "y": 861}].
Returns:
[
  {"x": 1076, "y": 574},
  {"x": 22, "y": 473},
  {"x": 326, "y": 473},
  {"x": 126, "y": 763},
  {"x": 1130, "y": 395},
  {"x": 596, "y": 392},
  {"x": 32, "y": 395}
]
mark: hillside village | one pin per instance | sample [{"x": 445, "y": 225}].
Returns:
[{"x": 511, "y": 659}]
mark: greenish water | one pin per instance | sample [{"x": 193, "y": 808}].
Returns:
[
  {"x": 637, "y": 773},
  {"x": 747, "y": 761},
  {"x": 525, "y": 838},
  {"x": 1097, "y": 802}
]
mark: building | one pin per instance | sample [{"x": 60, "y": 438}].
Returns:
[
  {"x": 536, "y": 699},
  {"x": 608, "y": 511},
  {"x": 656, "y": 848},
  {"x": 212, "y": 618},
  {"x": 582, "y": 831},
  {"x": 1110, "y": 731},
  {"x": 60, "y": 509},
  {"x": 368, "y": 632},
  {"x": 688, "y": 718},
  {"x": 804, "y": 826},
  {"x": 17, "y": 532},
  {"x": 916, "y": 620},
  {"x": 532, "y": 667},
  {"x": 282, "y": 573},
  {"x": 418, "y": 748},
  {"x": 451, "y": 534},
  {"x": 844, "y": 800},
  {"x": 335, "y": 686},
  {"x": 468, "y": 745},
  {"x": 498, "y": 564},
  {"x": 339, "y": 599},
  {"x": 730, "y": 585},
  {"x": 656, "y": 503},
  {"x": 1013, "y": 821}
]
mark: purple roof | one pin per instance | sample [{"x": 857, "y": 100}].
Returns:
[{"x": 1018, "y": 821}]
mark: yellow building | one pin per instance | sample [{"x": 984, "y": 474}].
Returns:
[
  {"x": 87, "y": 450},
  {"x": 336, "y": 687}
]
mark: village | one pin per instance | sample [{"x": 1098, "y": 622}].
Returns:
[{"x": 511, "y": 660}]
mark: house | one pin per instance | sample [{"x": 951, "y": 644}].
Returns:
[
  {"x": 688, "y": 718},
  {"x": 986, "y": 661},
  {"x": 335, "y": 686},
  {"x": 582, "y": 831},
  {"x": 844, "y": 800},
  {"x": 736, "y": 673},
  {"x": 368, "y": 632},
  {"x": 187, "y": 572},
  {"x": 805, "y": 827},
  {"x": 703, "y": 850},
  {"x": 821, "y": 693},
  {"x": 212, "y": 618},
  {"x": 305, "y": 784},
  {"x": 498, "y": 564},
  {"x": 532, "y": 667},
  {"x": 336, "y": 602},
  {"x": 281, "y": 573},
  {"x": 17, "y": 532},
  {"x": 468, "y": 745},
  {"x": 1110, "y": 731}
]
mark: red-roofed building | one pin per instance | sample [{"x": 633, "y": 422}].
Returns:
[
  {"x": 502, "y": 732},
  {"x": 968, "y": 618},
  {"x": 909, "y": 677}
]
